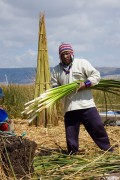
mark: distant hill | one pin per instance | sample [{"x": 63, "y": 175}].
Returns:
[
  {"x": 17, "y": 75},
  {"x": 27, "y": 75},
  {"x": 116, "y": 77},
  {"x": 105, "y": 71},
  {"x": 109, "y": 72}
]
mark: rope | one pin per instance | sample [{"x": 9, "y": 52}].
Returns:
[{"x": 7, "y": 133}]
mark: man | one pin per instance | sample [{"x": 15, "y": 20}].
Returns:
[
  {"x": 5, "y": 122},
  {"x": 79, "y": 106}
]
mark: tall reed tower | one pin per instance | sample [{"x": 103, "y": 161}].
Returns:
[{"x": 42, "y": 82}]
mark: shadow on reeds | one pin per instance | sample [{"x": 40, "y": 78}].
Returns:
[{"x": 43, "y": 151}]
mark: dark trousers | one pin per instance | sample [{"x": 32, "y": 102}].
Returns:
[{"x": 92, "y": 122}]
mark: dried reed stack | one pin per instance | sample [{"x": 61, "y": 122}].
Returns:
[{"x": 42, "y": 82}]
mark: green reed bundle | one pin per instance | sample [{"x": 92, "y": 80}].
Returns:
[{"x": 45, "y": 100}]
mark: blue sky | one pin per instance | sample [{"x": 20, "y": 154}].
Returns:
[{"x": 92, "y": 27}]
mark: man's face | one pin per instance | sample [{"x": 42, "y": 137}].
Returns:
[{"x": 66, "y": 57}]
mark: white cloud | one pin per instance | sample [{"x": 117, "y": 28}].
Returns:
[
  {"x": 92, "y": 27},
  {"x": 28, "y": 58}
]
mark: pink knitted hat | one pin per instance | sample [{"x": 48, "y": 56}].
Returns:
[{"x": 65, "y": 47}]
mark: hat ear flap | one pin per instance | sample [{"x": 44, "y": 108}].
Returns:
[
  {"x": 72, "y": 57},
  {"x": 60, "y": 58}
]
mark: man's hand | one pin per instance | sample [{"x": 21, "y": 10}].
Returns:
[{"x": 81, "y": 86}]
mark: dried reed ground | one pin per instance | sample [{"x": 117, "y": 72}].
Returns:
[
  {"x": 48, "y": 138},
  {"x": 54, "y": 137},
  {"x": 51, "y": 139}
]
